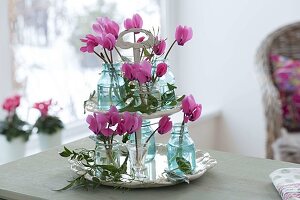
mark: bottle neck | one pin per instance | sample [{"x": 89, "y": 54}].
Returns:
[
  {"x": 108, "y": 67},
  {"x": 177, "y": 128}
]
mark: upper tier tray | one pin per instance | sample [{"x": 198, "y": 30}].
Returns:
[{"x": 92, "y": 106}]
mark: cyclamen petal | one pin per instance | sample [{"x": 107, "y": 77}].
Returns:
[
  {"x": 164, "y": 125},
  {"x": 160, "y": 47},
  {"x": 183, "y": 34},
  {"x": 135, "y": 22},
  {"x": 161, "y": 69},
  {"x": 191, "y": 110}
]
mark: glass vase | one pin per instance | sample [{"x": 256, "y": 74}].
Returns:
[
  {"x": 148, "y": 95},
  {"x": 110, "y": 87},
  {"x": 180, "y": 145},
  {"x": 137, "y": 158},
  {"x": 106, "y": 154},
  {"x": 163, "y": 82},
  {"x": 146, "y": 131}
]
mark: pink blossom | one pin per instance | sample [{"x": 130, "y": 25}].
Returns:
[
  {"x": 190, "y": 108},
  {"x": 161, "y": 69},
  {"x": 141, "y": 39},
  {"x": 97, "y": 122},
  {"x": 135, "y": 22},
  {"x": 104, "y": 25},
  {"x": 107, "y": 41},
  {"x": 129, "y": 123},
  {"x": 91, "y": 42},
  {"x": 160, "y": 47},
  {"x": 113, "y": 116},
  {"x": 128, "y": 71},
  {"x": 164, "y": 125},
  {"x": 10, "y": 104},
  {"x": 143, "y": 73},
  {"x": 43, "y": 107},
  {"x": 183, "y": 34}
]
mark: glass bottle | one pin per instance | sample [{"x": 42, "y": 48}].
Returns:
[
  {"x": 146, "y": 131},
  {"x": 149, "y": 95},
  {"x": 106, "y": 154},
  {"x": 110, "y": 87},
  {"x": 180, "y": 147}
]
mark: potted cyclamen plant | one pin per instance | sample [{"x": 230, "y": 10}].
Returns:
[
  {"x": 48, "y": 126},
  {"x": 14, "y": 132}
]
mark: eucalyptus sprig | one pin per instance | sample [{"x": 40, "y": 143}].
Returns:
[{"x": 85, "y": 158}]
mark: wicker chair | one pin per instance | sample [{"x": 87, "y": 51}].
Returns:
[{"x": 286, "y": 42}]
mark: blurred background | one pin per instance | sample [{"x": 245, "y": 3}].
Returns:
[{"x": 40, "y": 59}]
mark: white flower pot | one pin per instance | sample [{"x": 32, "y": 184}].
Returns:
[
  {"x": 47, "y": 141},
  {"x": 12, "y": 150}
]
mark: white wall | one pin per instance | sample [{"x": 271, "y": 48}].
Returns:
[
  {"x": 218, "y": 67},
  {"x": 5, "y": 70}
]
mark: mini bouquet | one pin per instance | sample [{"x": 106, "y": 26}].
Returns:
[
  {"x": 129, "y": 93},
  {"x": 13, "y": 127},
  {"x": 45, "y": 123},
  {"x": 145, "y": 84}
]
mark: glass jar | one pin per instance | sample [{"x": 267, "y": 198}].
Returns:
[
  {"x": 180, "y": 145},
  {"x": 137, "y": 156},
  {"x": 110, "y": 87},
  {"x": 146, "y": 131},
  {"x": 106, "y": 154},
  {"x": 148, "y": 95}
]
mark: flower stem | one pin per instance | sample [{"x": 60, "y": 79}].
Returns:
[
  {"x": 102, "y": 58},
  {"x": 150, "y": 137},
  {"x": 169, "y": 49},
  {"x": 136, "y": 148},
  {"x": 181, "y": 139}
]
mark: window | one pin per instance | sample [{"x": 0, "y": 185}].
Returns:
[{"x": 45, "y": 37}]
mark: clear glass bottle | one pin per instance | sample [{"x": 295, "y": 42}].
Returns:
[
  {"x": 142, "y": 95},
  {"x": 146, "y": 131},
  {"x": 180, "y": 147},
  {"x": 106, "y": 154},
  {"x": 110, "y": 87}
]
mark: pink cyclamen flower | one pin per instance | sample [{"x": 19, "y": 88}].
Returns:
[
  {"x": 129, "y": 123},
  {"x": 135, "y": 22},
  {"x": 143, "y": 73},
  {"x": 190, "y": 108},
  {"x": 183, "y": 34},
  {"x": 107, "y": 41},
  {"x": 91, "y": 42},
  {"x": 128, "y": 71},
  {"x": 113, "y": 116},
  {"x": 164, "y": 125},
  {"x": 43, "y": 107},
  {"x": 10, "y": 104},
  {"x": 96, "y": 122},
  {"x": 104, "y": 25},
  {"x": 141, "y": 39},
  {"x": 160, "y": 47},
  {"x": 161, "y": 69}
]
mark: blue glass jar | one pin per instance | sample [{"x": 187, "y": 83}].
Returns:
[
  {"x": 180, "y": 145},
  {"x": 146, "y": 131},
  {"x": 110, "y": 87}
]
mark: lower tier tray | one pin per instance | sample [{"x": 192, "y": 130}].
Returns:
[{"x": 155, "y": 172}]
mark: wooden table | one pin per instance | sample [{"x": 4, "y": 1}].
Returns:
[{"x": 235, "y": 177}]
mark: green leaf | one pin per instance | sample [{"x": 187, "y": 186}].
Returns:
[
  {"x": 184, "y": 165},
  {"x": 180, "y": 98},
  {"x": 64, "y": 154},
  {"x": 146, "y": 52},
  {"x": 67, "y": 150},
  {"x": 125, "y": 138},
  {"x": 171, "y": 86}
]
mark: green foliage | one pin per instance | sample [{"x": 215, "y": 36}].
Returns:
[
  {"x": 48, "y": 124},
  {"x": 184, "y": 165},
  {"x": 86, "y": 158},
  {"x": 13, "y": 127}
]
